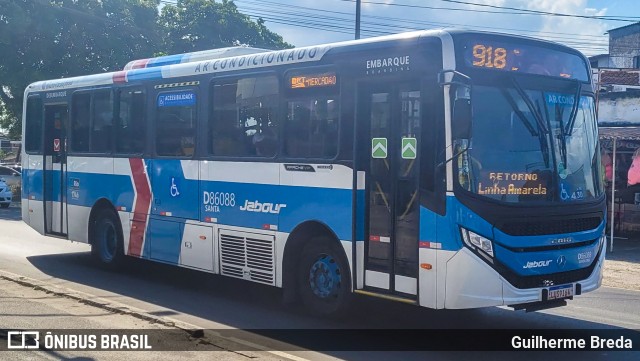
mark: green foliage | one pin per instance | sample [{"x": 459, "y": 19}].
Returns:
[
  {"x": 193, "y": 25},
  {"x": 49, "y": 39}
]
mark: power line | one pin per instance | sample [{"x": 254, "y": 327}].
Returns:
[
  {"x": 331, "y": 20},
  {"x": 517, "y": 12},
  {"x": 264, "y": 10},
  {"x": 600, "y": 17},
  {"x": 316, "y": 19},
  {"x": 271, "y": 4}
]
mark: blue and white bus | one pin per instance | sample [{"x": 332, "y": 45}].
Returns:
[{"x": 447, "y": 169}]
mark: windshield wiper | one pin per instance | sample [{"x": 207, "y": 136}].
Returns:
[
  {"x": 519, "y": 113},
  {"x": 574, "y": 111},
  {"x": 536, "y": 115},
  {"x": 565, "y": 131},
  {"x": 544, "y": 147},
  {"x": 562, "y": 136}
]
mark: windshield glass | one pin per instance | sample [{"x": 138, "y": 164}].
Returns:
[{"x": 526, "y": 146}]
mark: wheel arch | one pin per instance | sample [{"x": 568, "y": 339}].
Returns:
[
  {"x": 100, "y": 205},
  {"x": 297, "y": 240}
]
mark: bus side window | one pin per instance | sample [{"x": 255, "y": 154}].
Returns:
[
  {"x": 80, "y": 116},
  {"x": 176, "y": 123},
  {"x": 311, "y": 130},
  {"x": 244, "y": 121},
  {"x": 130, "y": 132},
  {"x": 102, "y": 122},
  {"x": 33, "y": 131}
]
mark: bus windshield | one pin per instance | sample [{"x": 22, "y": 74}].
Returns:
[{"x": 530, "y": 145}]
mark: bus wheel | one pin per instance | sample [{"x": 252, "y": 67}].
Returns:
[
  {"x": 107, "y": 240},
  {"x": 323, "y": 279}
]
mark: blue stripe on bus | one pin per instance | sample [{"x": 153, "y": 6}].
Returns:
[
  {"x": 254, "y": 205},
  {"x": 116, "y": 188},
  {"x": 32, "y": 184},
  {"x": 144, "y": 74},
  {"x": 166, "y": 60}
]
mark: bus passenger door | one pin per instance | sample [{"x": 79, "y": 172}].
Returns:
[
  {"x": 391, "y": 115},
  {"x": 55, "y": 168}
]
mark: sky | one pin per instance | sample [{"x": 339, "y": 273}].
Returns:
[{"x": 312, "y": 22}]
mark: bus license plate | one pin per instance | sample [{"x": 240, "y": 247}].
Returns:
[{"x": 558, "y": 292}]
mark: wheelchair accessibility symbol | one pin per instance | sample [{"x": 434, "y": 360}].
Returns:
[
  {"x": 174, "y": 188},
  {"x": 564, "y": 195}
]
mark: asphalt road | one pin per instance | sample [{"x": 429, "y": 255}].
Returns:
[{"x": 214, "y": 302}]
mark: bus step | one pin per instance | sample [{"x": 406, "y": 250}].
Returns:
[{"x": 387, "y": 297}]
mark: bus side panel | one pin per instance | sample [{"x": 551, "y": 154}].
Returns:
[
  {"x": 242, "y": 194},
  {"x": 428, "y": 252},
  {"x": 32, "y": 189},
  {"x": 125, "y": 198},
  {"x": 90, "y": 179},
  {"x": 324, "y": 195},
  {"x": 174, "y": 185},
  {"x": 245, "y": 200}
]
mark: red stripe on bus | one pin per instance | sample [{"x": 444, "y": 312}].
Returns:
[
  {"x": 141, "y": 208},
  {"x": 140, "y": 64},
  {"x": 120, "y": 77}
]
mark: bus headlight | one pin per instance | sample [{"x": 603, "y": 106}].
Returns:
[{"x": 476, "y": 241}]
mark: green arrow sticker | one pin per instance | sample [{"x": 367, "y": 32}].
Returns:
[
  {"x": 409, "y": 146},
  {"x": 379, "y": 148}
]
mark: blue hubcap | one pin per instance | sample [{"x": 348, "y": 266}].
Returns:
[{"x": 324, "y": 277}]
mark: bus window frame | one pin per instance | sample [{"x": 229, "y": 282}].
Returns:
[
  {"x": 26, "y": 118},
  {"x": 69, "y": 132},
  {"x": 290, "y": 94},
  {"x": 207, "y": 155},
  {"x": 154, "y": 123},
  {"x": 145, "y": 99}
]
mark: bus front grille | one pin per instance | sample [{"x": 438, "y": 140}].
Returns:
[{"x": 543, "y": 227}]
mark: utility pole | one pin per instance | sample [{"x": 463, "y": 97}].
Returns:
[{"x": 358, "y": 19}]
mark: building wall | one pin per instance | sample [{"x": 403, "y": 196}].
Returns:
[
  {"x": 619, "y": 108},
  {"x": 624, "y": 45},
  {"x": 600, "y": 62}
]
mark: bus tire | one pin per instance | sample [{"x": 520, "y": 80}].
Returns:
[
  {"x": 107, "y": 243},
  {"x": 324, "y": 281}
]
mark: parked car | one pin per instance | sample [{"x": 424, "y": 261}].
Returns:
[
  {"x": 5, "y": 194},
  {"x": 12, "y": 177}
]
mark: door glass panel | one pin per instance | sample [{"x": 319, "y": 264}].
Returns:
[
  {"x": 394, "y": 117},
  {"x": 380, "y": 205},
  {"x": 407, "y": 215}
]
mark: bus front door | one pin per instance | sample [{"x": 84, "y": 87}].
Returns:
[
  {"x": 391, "y": 114},
  {"x": 55, "y": 167}
]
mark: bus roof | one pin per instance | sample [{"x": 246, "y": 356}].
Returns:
[{"x": 219, "y": 63}]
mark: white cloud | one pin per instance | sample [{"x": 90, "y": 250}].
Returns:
[
  {"x": 589, "y": 38},
  {"x": 584, "y": 34}
]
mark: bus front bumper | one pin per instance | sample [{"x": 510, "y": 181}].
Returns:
[{"x": 471, "y": 283}]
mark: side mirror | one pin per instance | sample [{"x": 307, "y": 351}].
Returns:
[{"x": 461, "y": 120}]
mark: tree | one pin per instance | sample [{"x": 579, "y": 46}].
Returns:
[
  {"x": 48, "y": 39},
  {"x": 192, "y": 25}
]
